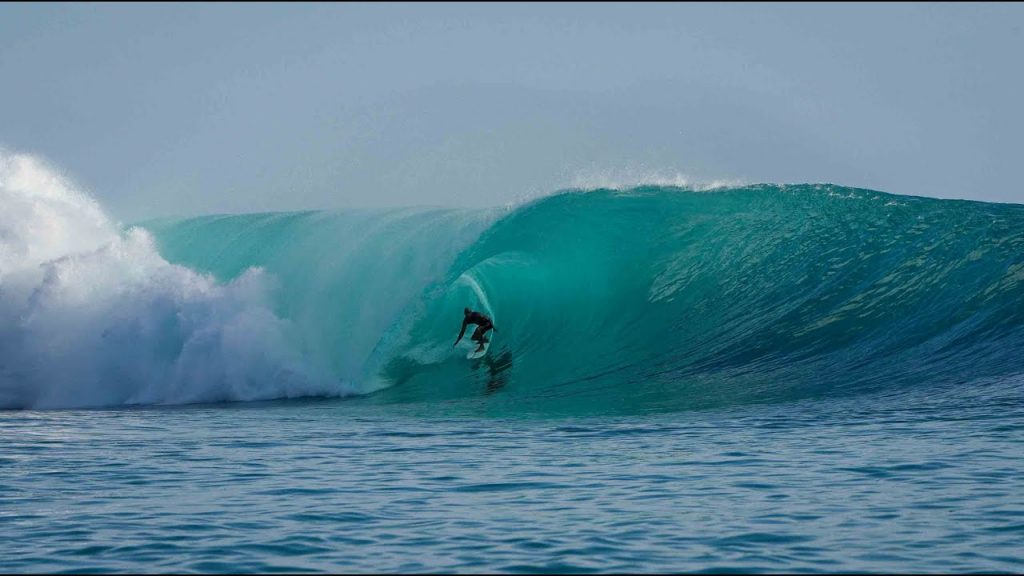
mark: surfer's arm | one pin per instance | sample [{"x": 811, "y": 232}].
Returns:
[{"x": 461, "y": 332}]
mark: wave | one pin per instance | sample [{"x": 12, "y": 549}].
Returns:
[
  {"x": 668, "y": 298},
  {"x": 608, "y": 300}
]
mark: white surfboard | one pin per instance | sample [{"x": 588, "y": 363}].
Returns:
[{"x": 473, "y": 354}]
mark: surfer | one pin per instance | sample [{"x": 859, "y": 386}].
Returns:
[{"x": 483, "y": 325}]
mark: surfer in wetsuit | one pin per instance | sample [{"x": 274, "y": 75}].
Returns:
[{"x": 483, "y": 324}]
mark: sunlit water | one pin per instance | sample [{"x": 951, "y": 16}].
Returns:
[{"x": 923, "y": 481}]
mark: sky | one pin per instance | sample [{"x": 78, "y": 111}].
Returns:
[{"x": 184, "y": 109}]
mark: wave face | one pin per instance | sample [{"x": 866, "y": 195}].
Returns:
[{"x": 652, "y": 298}]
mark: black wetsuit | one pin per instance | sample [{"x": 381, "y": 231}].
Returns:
[{"x": 483, "y": 325}]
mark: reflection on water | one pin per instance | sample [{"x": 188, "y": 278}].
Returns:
[{"x": 496, "y": 369}]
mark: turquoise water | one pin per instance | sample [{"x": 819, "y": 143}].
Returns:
[
  {"x": 766, "y": 378},
  {"x": 642, "y": 300}
]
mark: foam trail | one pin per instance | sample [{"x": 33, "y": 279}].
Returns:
[{"x": 91, "y": 315}]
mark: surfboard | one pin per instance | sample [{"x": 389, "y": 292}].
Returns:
[{"x": 473, "y": 354}]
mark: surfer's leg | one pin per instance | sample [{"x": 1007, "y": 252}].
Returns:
[{"x": 478, "y": 337}]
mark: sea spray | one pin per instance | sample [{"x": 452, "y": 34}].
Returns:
[{"x": 91, "y": 315}]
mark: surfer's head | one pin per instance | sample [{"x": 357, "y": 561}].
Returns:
[{"x": 466, "y": 311}]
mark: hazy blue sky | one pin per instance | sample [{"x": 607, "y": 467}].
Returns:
[{"x": 184, "y": 109}]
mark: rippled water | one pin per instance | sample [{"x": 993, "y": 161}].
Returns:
[{"x": 916, "y": 482}]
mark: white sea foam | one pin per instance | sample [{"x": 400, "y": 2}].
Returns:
[
  {"x": 623, "y": 179},
  {"x": 91, "y": 315}
]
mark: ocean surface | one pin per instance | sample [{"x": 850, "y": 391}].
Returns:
[
  {"x": 798, "y": 378},
  {"x": 921, "y": 482}
]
